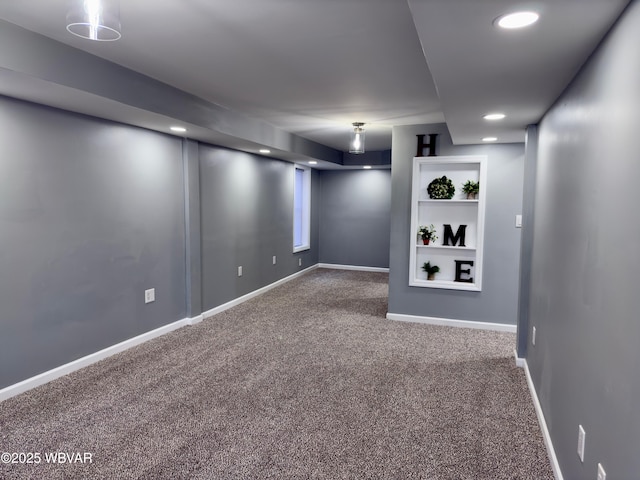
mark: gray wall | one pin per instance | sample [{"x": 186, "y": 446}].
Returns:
[
  {"x": 193, "y": 253},
  {"x": 247, "y": 217},
  {"x": 585, "y": 262},
  {"x": 91, "y": 215},
  {"x": 526, "y": 243},
  {"x": 355, "y": 216},
  {"x": 498, "y": 300}
]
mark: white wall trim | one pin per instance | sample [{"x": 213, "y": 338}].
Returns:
[
  {"x": 520, "y": 362},
  {"x": 555, "y": 466},
  {"x": 500, "y": 327},
  {"x": 255, "y": 293},
  {"x": 41, "y": 379},
  {"x": 353, "y": 267},
  {"x": 195, "y": 320}
]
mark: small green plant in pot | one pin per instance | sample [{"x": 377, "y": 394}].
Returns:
[
  {"x": 471, "y": 188},
  {"x": 427, "y": 233},
  {"x": 431, "y": 270}
]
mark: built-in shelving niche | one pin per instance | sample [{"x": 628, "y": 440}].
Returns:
[{"x": 459, "y": 210}]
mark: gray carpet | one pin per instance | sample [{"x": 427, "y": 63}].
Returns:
[{"x": 306, "y": 381}]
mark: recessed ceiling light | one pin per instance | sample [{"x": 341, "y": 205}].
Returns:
[
  {"x": 367, "y": 167},
  {"x": 517, "y": 20},
  {"x": 490, "y": 139},
  {"x": 494, "y": 116},
  {"x": 264, "y": 150},
  {"x": 312, "y": 162},
  {"x": 178, "y": 129}
]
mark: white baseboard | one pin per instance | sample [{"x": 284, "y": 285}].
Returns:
[
  {"x": 255, "y": 293},
  {"x": 555, "y": 466},
  {"x": 353, "y": 267},
  {"x": 500, "y": 327},
  {"x": 41, "y": 379}
]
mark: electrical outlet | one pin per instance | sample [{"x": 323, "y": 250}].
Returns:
[
  {"x": 581, "y": 437},
  {"x": 240, "y": 271},
  {"x": 274, "y": 259},
  {"x": 533, "y": 336},
  {"x": 602, "y": 475},
  {"x": 299, "y": 262},
  {"x": 150, "y": 295}
]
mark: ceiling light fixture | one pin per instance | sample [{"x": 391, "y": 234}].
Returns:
[
  {"x": 264, "y": 150},
  {"x": 494, "y": 116},
  {"x": 97, "y": 20},
  {"x": 367, "y": 167},
  {"x": 357, "y": 138},
  {"x": 490, "y": 139},
  {"x": 312, "y": 162},
  {"x": 178, "y": 129},
  {"x": 517, "y": 20}
]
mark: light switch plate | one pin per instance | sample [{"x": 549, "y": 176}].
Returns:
[
  {"x": 518, "y": 221},
  {"x": 150, "y": 295}
]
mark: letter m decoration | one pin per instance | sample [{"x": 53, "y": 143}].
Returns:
[{"x": 454, "y": 239}]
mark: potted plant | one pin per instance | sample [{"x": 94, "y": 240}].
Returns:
[
  {"x": 431, "y": 270},
  {"x": 427, "y": 233},
  {"x": 471, "y": 188},
  {"x": 441, "y": 188}
]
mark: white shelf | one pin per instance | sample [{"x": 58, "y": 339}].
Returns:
[
  {"x": 460, "y": 266},
  {"x": 445, "y": 284},
  {"x": 444, "y": 247},
  {"x": 452, "y": 201}
]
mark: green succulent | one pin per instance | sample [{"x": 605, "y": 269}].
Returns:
[
  {"x": 471, "y": 187},
  {"x": 430, "y": 269}
]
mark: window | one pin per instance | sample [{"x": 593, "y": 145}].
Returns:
[{"x": 301, "y": 209}]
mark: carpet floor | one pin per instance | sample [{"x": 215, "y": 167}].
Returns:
[{"x": 308, "y": 380}]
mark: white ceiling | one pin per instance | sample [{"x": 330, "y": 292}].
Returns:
[{"x": 312, "y": 67}]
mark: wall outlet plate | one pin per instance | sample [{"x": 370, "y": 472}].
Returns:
[
  {"x": 150, "y": 295},
  {"x": 274, "y": 259},
  {"x": 299, "y": 262},
  {"x": 533, "y": 336},
  {"x": 240, "y": 271}
]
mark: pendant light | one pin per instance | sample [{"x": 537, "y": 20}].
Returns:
[
  {"x": 357, "y": 138},
  {"x": 97, "y": 20}
]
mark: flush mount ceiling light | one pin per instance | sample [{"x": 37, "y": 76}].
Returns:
[
  {"x": 494, "y": 116},
  {"x": 357, "y": 138},
  {"x": 97, "y": 20},
  {"x": 490, "y": 139},
  {"x": 367, "y": 167},
  {"x": 264, "y": 150},
  {"x": 178, "y": 129},
  {"x": 517, "y": 20},
  {"x": 312, "y": 162}
]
